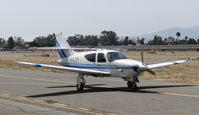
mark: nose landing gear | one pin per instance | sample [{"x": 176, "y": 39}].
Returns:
[
  {"x": 132, "y": 82},
  {"x": 132, "y": 85}
]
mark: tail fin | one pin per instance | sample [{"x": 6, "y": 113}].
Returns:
[{"x": 62, "y": 43}]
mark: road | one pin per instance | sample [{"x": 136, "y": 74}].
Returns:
[{"x": 101, "y": 96}]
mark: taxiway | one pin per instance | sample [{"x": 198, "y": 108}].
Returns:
[{"x": 101, "y": 95}]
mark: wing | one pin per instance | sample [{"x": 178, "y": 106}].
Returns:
[
  {"x": 165, "y": 64},
  {"x": 86, "y": 71}
]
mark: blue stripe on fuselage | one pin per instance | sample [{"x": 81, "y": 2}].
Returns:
[{"x": 97, "y": 67}]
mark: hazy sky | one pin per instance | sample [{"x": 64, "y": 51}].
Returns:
[{"x": 31, "y": 18}]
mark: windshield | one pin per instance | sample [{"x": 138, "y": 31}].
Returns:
[{"x": 115, "y": 56}]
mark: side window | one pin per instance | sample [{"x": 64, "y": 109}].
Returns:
[
  {"x": 91, "y": 57},
  {"x": 101, "y": 58}
]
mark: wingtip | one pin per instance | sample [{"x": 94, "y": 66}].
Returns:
[
  {"x": 179, "y": 61},
  {"x": 182, "y": 61}
]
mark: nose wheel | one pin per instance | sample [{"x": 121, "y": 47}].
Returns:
[{"x": 132, "y": 85}]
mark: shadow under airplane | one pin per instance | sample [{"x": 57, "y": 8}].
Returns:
[{"x": 93, "y": 88}]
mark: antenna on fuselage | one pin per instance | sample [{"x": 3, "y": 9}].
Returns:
[{"x": 142, "y": 56}]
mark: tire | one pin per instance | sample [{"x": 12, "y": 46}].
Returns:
[
  {"x": 132, "y": 85},
  {"x": 81, "y": 87},
  {"x": 129, "y": 84}
]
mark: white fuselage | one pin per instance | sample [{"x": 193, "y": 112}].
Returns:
[{"x": 104, "y": 60}]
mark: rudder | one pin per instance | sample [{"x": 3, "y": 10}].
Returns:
[{"x": 65, "y": 50}]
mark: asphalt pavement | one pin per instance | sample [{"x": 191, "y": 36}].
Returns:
[{"x": 108, "y": 96}]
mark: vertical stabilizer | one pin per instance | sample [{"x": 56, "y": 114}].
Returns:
[{"x": 65, "y": 50}]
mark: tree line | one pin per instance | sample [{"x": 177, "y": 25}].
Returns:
[
  {"x": 106, "y": 38},
  {"x": 11, "y": 43},
  {"x": 158, "y": 40}
]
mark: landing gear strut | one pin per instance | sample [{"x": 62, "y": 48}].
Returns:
[
  {"x": 80, "y": 82},
  {"x": 132, "y": 85}
]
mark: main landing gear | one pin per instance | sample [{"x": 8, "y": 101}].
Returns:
[{"x": 80, "y": 82}]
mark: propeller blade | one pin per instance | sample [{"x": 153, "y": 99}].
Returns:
[
  {"x": 151, "y": 72},
  {"x": 147, "y": 69}
]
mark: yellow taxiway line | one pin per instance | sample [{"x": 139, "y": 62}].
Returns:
[{"x": 178, "y": 94}]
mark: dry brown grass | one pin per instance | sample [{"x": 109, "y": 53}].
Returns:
[
  {"x": 9, "y": 63},
  {"x": 163, "y": 56},
  {"x": 176, "y": 73}
]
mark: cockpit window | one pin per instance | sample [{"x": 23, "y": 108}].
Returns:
[
  {"x": 101, "y": 58},
  {"x": 91, "y": 57},
  {"x": 115, "y": 56}
]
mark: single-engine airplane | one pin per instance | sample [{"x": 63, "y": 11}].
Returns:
[{"x": 99, "y": 63}]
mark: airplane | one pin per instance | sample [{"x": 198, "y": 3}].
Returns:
[{"x": 99, "y": 63}]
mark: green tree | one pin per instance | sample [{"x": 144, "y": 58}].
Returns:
[
  {"x": 10, "y": 43},
  {"x": 50, "y": 40},
  {"x": 192, "y": 41},
  {"x": 178, "y": 34},
  {"x": 198, "y": 41},
  {"x": 157, "y": 40},
  {"x": 126, "y": 41},
  {"x": 171, "y": 40},
  {"x": 39, "y": 41},
  {"x": 108, "y": 38},
  {"x": 165, "y": 42},
  {"x": 19, "y": 42},
  {"x": 88, "y": 40},
  {"x": 2, "y": 42},
  {"x": 133, "y": 41},
  {"x": 32, "y": 44},
  {"x": 140, "y": 41},
  {"x": 74, "y": 40},
  {"x": 43, "y": 41},
  {"x": 186, "y": 39},
  {"x": 91, "y": 40}
]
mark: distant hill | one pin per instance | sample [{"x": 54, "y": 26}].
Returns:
[{"x": 190, "y": 32}]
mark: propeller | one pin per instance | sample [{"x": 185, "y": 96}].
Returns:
[
  {"x": 151, "y": 71},
  {"x": 146, "y": 68},
  {"x": 142, "y": 69}
]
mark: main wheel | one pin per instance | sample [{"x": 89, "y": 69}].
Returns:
[{"x": 80, "y": 87}]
